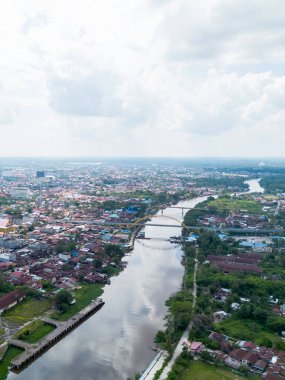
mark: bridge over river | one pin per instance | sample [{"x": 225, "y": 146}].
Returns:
[
  {"x": 178, "y": 225},
  {"x": 117, "y": 342}
]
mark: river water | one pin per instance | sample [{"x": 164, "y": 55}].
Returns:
[
  {"x": 116, "y": 342},
  {"x": 254, "y": 186}
]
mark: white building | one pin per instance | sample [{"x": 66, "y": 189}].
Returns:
[{"x": 20, "y": 193}]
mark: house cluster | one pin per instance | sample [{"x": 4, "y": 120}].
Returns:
[
  {"x": 262, "y": 360},
  {"x": 266, "y": 361},
  {"x": 235, "y": 220},
  {"x": 243, "y": 219},
  {"x": 59, "y": 233},
  {"x": 11, "y": 299},
  {"x": 241, "y": 262},
  {"x": 61, "y": 255}
]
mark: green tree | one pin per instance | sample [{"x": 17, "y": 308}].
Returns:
[
  {"x": 47, "y": 285},
  {"x": 97, "y": 263},
  {"x": 113, "y": 249},
  {"x": 244, "y": 370},
  {"x": 63, "y": 298},
  {"x": 160, "y": 337},
  {"x": 265, "y": 341},
  {"x": 206, "y": 356}
]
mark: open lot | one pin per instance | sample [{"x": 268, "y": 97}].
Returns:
[
  {"x": 27, "y": 310},
  {"x": 199, "y": 370},
  {"x": 83, "y": 297},
  {"x": 34, "y": 331},
  {"x": 247, "y": 330}
]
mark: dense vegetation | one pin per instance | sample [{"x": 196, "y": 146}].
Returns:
[
  {"x": 179, "y": 306},
  {"x": 228, "y": 183},
  {"x": 254, "y": 320},
  {"x": 273, "y": 184}
]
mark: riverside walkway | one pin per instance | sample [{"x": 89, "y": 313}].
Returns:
[
  {"x": 154, "y": 366},
  {"x": 62, "y": 328},
  {"x": 52, "y": 322}
]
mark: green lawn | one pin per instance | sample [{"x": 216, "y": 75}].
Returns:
[
  {"x": 199, "y": 370},
  {"x": 11, "y": 353},
  {"x": 34, "y": 331},
  {"x": 27, "y": 310},
  {"x": 83, "y": 297},
  {"x": 246, "y": 329},
  {"x": 226, "y": 205}
]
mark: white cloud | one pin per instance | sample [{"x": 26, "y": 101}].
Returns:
[
  {"x": 85, "y": 93},
  {"x": 224, "y": 32},
  {"x": 142, "y": 78},
  {"x": 6, "y": 115}
]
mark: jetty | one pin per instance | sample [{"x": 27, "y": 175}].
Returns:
[{"x": 31, "y": 351}]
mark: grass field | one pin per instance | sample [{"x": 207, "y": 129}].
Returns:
[
  {"x": 247, "y": 330},
  {"x": 34, "y": 331},
  {"x": 27, "y": 310},
  {"x": 83, "y": 297},
  {"x": 226, "y": 205},
  {"x": 11, "y": 353},
  {"x": 199, "y": 370},
  {"x": 222, "y": 206}
]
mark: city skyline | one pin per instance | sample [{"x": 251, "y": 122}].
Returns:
[{"x": 142, "y": 79}]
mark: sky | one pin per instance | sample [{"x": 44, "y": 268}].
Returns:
[{"x": 148, "y": 78}]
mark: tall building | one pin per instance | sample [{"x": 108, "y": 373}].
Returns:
[{"x": 40, "y": 174}]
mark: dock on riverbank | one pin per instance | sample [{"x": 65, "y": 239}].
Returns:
[{"x": 62, "y": 328}]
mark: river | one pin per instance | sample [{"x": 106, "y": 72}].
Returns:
[
  {"x": 116, "y": 342},
  {"x": 254, "y": 186}
]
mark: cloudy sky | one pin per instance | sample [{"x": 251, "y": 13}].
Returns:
[{"x": 142, "y": 78}]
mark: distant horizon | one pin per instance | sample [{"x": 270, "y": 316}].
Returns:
[
  {"x": 177, "y": 158},
  {"x": 152, "y": 157}
]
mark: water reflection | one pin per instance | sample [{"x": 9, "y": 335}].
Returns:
[{"x": 116, "y": 342}]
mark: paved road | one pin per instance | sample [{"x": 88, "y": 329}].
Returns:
[
  {"x": 179, "y": 348},
  {"x": 154, "y": 366}
]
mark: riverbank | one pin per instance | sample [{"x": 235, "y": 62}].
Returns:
[
  {"x": 24, "y": 313},
  {"x": 120, "y": 336},
  {"x": 172, "y": 334},
  {"x": 124, "y": 317},
  {"x": 83, "y": 296},
  {"x": 61, "y": 329}
]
